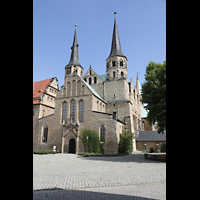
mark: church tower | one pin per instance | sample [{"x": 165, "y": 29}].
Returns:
[
  {"x": 116, "y": 63},
  {"x": 74, "y": 64}
]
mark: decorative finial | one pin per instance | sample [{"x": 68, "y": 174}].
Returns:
[
  {"x": 75, "y": 25},
  {"x": 115, "y": 14},
  {"x": 137, "y": 75}
]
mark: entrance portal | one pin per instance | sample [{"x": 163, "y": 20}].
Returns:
[{"x": 72, "y": 146}]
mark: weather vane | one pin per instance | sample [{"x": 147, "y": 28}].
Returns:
[{"x": 137, "y": 74}]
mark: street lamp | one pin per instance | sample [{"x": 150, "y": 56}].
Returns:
[
  {"x": 63, "y": 124},
  {"x": 157, "y": 145},
  {"x": 145, "y": 146},
  {"x": 87, "y": 143}
]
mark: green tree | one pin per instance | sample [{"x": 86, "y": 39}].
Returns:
[
  {"x": 154, "y": 94},
  {"x": 125, "y": 144}
]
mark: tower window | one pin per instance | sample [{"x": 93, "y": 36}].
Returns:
[
  {"x": 69, "y": 70},
  {"x": 121, "y": 62},
  {"x": 90, "y": 72},
  {"x": 115, "y": 115},
  {"x": 113, "y": 63},
  {"x": 113, "y": 74},
  {"x": 122, "y": 73},
  {"x": 90, "y": 80},
  {"x": 95, "y": 79}
]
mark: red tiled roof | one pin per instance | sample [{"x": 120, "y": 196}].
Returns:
[{"x": 39, "y": 89}]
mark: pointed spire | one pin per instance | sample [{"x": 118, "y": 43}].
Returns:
[
  {"x": 116, "y": 47},
  {"x": 74, "y": 59},
  {"x": 138, "y": 88}
]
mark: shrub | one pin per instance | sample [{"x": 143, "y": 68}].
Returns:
[
  {"x": 45, "y": 151},
  {"x": 94, "y": 144},
  {"x": 125, "y": 144}
]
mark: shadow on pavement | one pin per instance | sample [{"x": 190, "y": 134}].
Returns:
[
  {"x": 128, "y": 158},
  {"x": 56, "y": 193}
]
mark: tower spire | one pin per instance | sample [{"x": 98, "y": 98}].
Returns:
[
  {"x": 74, "y": 59},
  {"x": 115, "y": 47}
]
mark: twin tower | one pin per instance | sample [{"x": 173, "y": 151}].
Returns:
[{"x": 116, "y": 63}]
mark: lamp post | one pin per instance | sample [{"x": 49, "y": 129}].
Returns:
[
  {"x": 145, "y": 149},
  {"x": 63, "y": 123},
  {"x": 157, "y": 145},
  {"x": 87, "y": 143},
  {"x": 145, "y": 146}
]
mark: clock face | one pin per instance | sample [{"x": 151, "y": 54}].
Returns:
[{"x": 69, "y": 70}]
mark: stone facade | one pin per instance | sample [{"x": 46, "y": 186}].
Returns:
[{"x": 107, "y": 102}]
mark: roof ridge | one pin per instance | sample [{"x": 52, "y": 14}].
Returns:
[{"x": 92, "y": 90}]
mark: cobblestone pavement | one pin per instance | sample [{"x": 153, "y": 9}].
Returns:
[{"x": 69, "y": 176}]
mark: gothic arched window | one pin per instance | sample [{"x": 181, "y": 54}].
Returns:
[
  {"x": 45, "y": 134},
  {"x": 102, "y": 134},
  {"x": 73, "y": 111},
  {"x": 64, "y": 111},
  {"x": 81, "y": 110},
  {"x": 121, "y": 63}
]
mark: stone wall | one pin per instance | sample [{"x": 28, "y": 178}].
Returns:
[{"x": 140, "y": 145}]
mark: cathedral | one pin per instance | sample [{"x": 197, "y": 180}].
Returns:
[{"x": 105, "y": 103}]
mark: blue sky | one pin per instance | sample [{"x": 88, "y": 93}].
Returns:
[{"x": 141, "y": 25}]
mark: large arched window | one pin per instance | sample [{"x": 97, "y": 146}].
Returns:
[
  {"x": 73, "y": 111},
  {"x": 64, "y": 112},
  {"x": 81, "y": 111},
  {"x": 102, "y": 134},
  {"x": 45, "y": 134}
]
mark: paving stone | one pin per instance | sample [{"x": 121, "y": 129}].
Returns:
[{"x": 131, "y": 175}]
